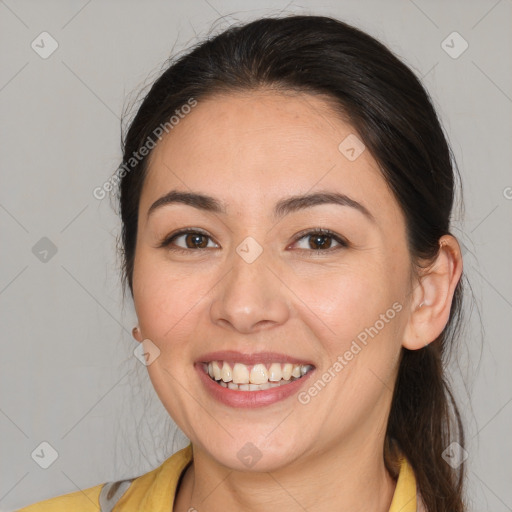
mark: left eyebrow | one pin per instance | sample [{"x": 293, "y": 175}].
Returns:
[
  {"x": 301, "y": 202},
  {"x": 282, "y": 207}
]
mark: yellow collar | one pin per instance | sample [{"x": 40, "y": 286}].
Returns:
[{"x": 404, "y": 498}]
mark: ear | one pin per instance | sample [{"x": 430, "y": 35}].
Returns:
[{"x": 432, "y": 296}]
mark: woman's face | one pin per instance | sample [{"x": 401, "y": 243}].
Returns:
[{"x": 260, "y": 287}]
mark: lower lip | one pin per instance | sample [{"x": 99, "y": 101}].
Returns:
[{"x": 248, "y": 399}]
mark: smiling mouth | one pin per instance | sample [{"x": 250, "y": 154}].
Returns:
[{"x": 257, "y": 377}]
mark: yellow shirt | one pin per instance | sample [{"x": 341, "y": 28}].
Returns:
[{"x": 155, "y": 491}]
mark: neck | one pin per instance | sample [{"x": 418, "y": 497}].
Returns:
[{"x": 338, "y": 479}]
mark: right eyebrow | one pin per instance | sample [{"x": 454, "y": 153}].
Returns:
[{"x": 199, "y": 201}]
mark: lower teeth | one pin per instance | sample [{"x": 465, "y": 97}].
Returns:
[{"x": 254, "y": 387}]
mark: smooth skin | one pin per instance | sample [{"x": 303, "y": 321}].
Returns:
[{"x": 306, "y": 298}]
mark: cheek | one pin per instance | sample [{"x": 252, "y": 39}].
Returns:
[
  {"x": 355, "y": 316},
  {"x": 342, "y": 300},
  {"x": 167, "y": 303}
]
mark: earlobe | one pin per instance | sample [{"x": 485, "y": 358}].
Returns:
[
  {"x": 136, "y": 334},
  {"x": 432, "y": 298}
]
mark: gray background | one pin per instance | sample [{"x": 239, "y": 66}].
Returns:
[{"x": 68, "y": 374}]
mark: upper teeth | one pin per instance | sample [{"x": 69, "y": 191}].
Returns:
[{"x": 260, "y": 373}]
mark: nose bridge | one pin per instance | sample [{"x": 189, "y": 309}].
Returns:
[{"x": 249, "y": 297}]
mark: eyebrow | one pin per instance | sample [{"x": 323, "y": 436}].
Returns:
[{"x": 282, "y": 207}]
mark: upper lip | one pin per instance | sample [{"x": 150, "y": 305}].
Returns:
[{"x": 251, "y": 359}]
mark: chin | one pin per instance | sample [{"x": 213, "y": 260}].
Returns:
[{"x": 245, "y": 453}]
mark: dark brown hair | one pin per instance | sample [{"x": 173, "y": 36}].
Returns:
[{"x": 393, "y": 114}]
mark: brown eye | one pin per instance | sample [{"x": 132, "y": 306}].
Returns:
[
  {"x": 186, "y": 240},
  {"x": 196, "y": 241},
  {"x": 320, "y": 240}
]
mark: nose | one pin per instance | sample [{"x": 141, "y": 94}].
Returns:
[{"x": 249, "y": 298}]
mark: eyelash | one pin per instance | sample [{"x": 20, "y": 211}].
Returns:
[{"x": 343, "y": 243}]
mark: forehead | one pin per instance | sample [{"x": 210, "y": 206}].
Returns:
[{"x": 250, "y": 149}]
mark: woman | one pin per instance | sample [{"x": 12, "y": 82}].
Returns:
[{"x": 285, "y": 196}]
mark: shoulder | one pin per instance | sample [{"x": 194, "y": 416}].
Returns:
[
  {"x": 86, "y": 500},
  {"x": 159, "y": 485},
  {"x": 100, "y": 498}
]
